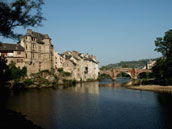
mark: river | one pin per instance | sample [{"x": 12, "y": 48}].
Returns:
[{"x": 94, "y": 105}]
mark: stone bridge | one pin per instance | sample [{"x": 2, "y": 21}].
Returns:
[{"x": 134, "y": 73}]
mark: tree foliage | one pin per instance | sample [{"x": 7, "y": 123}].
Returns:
[
  {"x": 16, "y": 73},
  {"x": 164, "y": 45},
  {"x": 17, "y": 13},
  {"x": 163, "y": 67},
  {"x": 10, "y": 72}
]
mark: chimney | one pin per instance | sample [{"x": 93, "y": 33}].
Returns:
[
  {"x": 86, "y": 55},
  {"x": 29, "y": 31},
  {"x": 46, "y": 36}
]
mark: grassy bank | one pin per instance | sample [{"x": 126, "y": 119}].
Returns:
[{"x": 154, "y": 88}]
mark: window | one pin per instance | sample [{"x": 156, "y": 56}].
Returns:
[
  {"x": 33, "y": 39},
  {"x": 26, "y": 55},
  {"x": 26, "y": 47},
  {"x": 18, "y": 60},
  {"x": 21, "y": 60},
  {"x": 18, "y": 53},
  {"x": 39, "y": 66},
  {"x": 86, "y": 70}
]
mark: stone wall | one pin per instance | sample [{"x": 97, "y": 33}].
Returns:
[{"x": 38, "y": 52}]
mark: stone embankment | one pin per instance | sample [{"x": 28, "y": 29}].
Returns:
[{"x": 154, "y": 88}]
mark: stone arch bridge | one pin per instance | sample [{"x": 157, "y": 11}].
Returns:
[{"x": 134, "y": 73}]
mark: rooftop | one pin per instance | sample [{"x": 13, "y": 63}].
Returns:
[{"x": 8, "y": 47}]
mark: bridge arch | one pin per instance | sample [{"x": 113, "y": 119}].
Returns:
[
  {"x": 123, "y": 74},
  {"x": 130, "y": 71},
  {"x": 105, "y": 76}
]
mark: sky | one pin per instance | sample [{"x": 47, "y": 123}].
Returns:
[{"x": 112, "y": 30}]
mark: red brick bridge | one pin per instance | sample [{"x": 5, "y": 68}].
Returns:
[{"x": 134, "y": 73}]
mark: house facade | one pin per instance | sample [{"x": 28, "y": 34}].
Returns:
[
  {"x": 36, "y": 52},
  {"x": 82, "y": 68},
  {"x": 13, "y": 52}
]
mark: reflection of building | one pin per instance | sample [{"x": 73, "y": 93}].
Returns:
[
  {"x": 36, "y": 52},
  {"x": 91, "y": 88}
]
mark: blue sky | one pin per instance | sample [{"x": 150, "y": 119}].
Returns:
[{"x": 112, "y": 30}]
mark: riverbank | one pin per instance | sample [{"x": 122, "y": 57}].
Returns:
[
  {"x": 154, "y": 88},
  {"x": 14, "y": 120}
]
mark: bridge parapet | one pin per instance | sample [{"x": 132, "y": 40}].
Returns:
[{"x": 134, "y": 73}]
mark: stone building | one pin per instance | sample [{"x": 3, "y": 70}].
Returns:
[
  {"x": 58, "y": 60},
  {"x": 38, "y": 51},
  {"x": 13, "y": 52},
  {"x": 150, "y": 64},
  {"x": 81, "y": 67}
]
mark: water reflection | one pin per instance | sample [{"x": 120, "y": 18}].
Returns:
[
  {"x": 119, "y": 82},
  {"x": 94, "y": 105},
  {"x": 89, "y": 87}
]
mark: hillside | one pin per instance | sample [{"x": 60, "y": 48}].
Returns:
[{"x": 128, "y": 64}]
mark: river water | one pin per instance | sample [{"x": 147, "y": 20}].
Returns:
[{"x": 94, "y": 105}]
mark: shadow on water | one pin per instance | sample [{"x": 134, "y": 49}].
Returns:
[{"x": 165, "y": 102}]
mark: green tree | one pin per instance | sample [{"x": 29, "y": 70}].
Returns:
[
  {"x": 19, "y": 13},
  {"x": 164, "y": 45},
  {"x": 163, "y": 67},
  {"x": 16, "y": 73}
]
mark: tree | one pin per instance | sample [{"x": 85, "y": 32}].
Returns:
[
  {"x": 19, "y": 13},
  {"x": 16, "y": 73},
  {"x": 163, "y": 67},
  {"x": 164, "y": 45}
]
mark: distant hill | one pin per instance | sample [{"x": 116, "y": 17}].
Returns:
[{"x": 128, "y": 64}]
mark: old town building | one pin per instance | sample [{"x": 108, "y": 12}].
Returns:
[
  {"x": 13, "y": 52},
  {"x": 36, "y": 52},
  {"x": 81, "y": 67}
]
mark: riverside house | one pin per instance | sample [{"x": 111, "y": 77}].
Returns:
[{"x": 36, "y": 52}]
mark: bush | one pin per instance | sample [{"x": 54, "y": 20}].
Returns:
[
  {"x": 67, "y": 74},
  {"x": 60, "y": 70},
  {"x": 45, "y": 71},
  {"x": 44, "y": 81},
  {"x": 69, "y": 82},
  {"x": 28, "y": 82},
  {"x": 16, "y": 73},
  {"x": 90, "y": 79},
  {"x": 56, "y": 78},
  {"x": 17, "y": 84}
]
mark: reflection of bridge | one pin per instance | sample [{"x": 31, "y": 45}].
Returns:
[{"x": 134, "y": 73}]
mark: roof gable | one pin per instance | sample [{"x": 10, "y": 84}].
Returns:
[{"x": 10, "y": 47}]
